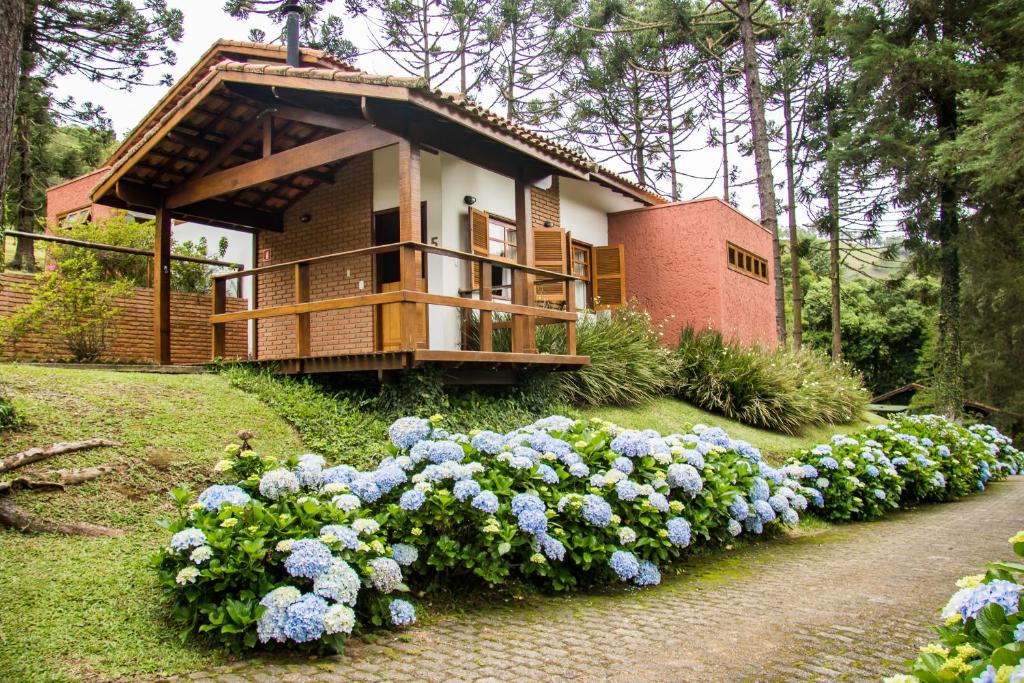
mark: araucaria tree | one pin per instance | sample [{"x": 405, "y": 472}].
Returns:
[{"x": 115, "y": 43}]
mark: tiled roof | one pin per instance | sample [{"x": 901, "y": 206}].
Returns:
[{"x": 341, "y": 71}]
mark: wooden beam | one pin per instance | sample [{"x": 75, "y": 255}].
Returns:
[
  {"x": 319, "y": 85},
  {"x": 234, "y": 142},
  {"x": 320, "y": 119},
  {"x": 302, "y": 319},
  {"x": 409, "y": 230},
  {"x": 486, "y": 318},
  {"x": 220, "y": 289},
  {"x": 137, "y": 194},
  {"x": 268, "y": 136},
  {"x": 162, "y": 287},
  {"x": 222, "y": 212},
  {"x": 311, "y": 155}
]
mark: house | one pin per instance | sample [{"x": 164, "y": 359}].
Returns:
[{"x": 388, "y": 219}]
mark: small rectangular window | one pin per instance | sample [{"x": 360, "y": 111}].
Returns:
[{"x": 742, "y": 261}]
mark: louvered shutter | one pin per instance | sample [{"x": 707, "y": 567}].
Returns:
[
  {"x": 609, "y": 277},
  {"x": 549, "y": 253},
  {"x": 479, "y": 222}
]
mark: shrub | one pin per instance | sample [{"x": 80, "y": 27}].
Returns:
[
  {"x": 627, "y": 365},
  {"x": 297, "y": 552},
  {"x": 75, "y": 302},
  {"x": 9, "y": 418},
  {"x": 778, "y": 390},
  {"x": 911, "y": 460},
  {"x": 561, "y": 503},
  {"x": 983, "y": 628}
]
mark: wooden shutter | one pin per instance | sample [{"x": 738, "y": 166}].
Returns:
[
  {"x": 549, "y": 253},
  {"x": 609, "y": 270},
  {"x": 479, "y": 224}
]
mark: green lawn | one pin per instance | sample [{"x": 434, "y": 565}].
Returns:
[
  {"x": 80, "y": 608},
  {"x": 670, "y": 415}
]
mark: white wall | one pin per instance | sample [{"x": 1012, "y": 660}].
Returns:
[{"x": 585, "y": 207}]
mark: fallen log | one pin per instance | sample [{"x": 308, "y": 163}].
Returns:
[
  {"x": 43, "y": 452},
  {"x": 13, "y": 517},
  {"x": 57, "y": 479}
]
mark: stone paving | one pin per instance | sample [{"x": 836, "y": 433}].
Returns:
[{"x": 848, "y": 604}]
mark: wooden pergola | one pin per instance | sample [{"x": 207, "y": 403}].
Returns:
[{"x": 247, "y": 141}]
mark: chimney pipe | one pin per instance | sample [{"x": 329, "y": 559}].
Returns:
[{"x": 291, "y": 11}]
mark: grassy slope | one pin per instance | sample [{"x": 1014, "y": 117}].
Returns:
[
  {"x": 669, "y": 415},
  {"x": 81, "y": 608},
  {"x": 78, "y": 608}
]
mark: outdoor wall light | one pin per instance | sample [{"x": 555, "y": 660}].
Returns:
[
  {"x": 548, "y": 224},
  {"x": 469, "y": 199},
  {"x": 305, "y": 218}
]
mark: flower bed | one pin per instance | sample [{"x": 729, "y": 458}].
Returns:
[
  {"x": 982, "y": 636},
  {"x": 299, "y": 553}
]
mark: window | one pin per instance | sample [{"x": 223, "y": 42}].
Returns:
[
  {"x": 68, "y": 219},
  {"x": 742, "y": 261},
  {"x": 502, "y": 241},
  {"x": 581, "y": 267}
]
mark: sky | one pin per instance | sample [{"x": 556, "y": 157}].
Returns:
[{"x": 205, "y": 22}]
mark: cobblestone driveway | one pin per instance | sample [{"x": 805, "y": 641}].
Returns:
[{"x": 848, "y": 604}]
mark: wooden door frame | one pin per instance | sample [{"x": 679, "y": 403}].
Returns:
[{"x": 378, "y": 323}]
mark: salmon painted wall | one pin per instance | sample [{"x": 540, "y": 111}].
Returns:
[{"x": 677, "y": 269}]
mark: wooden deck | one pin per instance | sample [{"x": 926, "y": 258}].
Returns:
[{"x": 466, "y": 363}]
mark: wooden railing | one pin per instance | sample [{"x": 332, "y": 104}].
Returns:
[{"x": 523, "y": 313}]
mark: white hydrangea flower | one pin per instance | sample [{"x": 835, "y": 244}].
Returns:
[
  {"x": 186, "y": 576},
  {"x": 284, "y": 546},
  {"x": 201, "y": 554},
  {"x": 339, "y": 619},
  {"x": 365, "y": 526}
]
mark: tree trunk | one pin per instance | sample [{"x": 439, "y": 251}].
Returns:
[
  {"x": 833, "y": 272},
  {"x": 670, "y": 120},
  {"x": 794, "y": 256},
  {"x": 25, "y": 221},
  {"x": 12, "y": 18},
  {"x": 762, "y": 158},
  {"x": 725, "y": 131}
]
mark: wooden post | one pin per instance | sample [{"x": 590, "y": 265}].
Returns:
[
  {"x": 220, "y": 290},
  {"x": 486, "y": 318},
  {"x": 268, "y": 136},
  {"x": 162, "y": 287},
  {"x": 409, "y": 229},
  {"x": 570, "y": 326},
  {"x": 302, "y": 319},
  {"x": 524, "y": 327}
]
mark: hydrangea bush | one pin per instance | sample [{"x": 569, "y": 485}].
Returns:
[
  {"x": 299, "y": 552},
  {"x": 981, "y": 638}
]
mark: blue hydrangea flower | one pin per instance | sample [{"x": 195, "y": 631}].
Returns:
[
  {"x": 271, "y": 624},
  {"x": 735, "y": 528},
  {"x": 658, "y": 501},
  {"x": 533, "y": 521},
  {"x": 647, "y": 575},
  {"x": 552, "y": 548},
  {"x": 789, "y": 516},
  {"x": 388, "y": 477},
  {"x": 309, "y": 469},
  {"x": 753, "y": 524},
  {"x": 879, "y": 494},
  {"x": 547, "y": 475},
  {"x": 596, "y": 510},
  {"x": 943, "y": 451},
  {"x": 342, "y": 474},
  {"x": 404, "y": 554},
  {"x": 798, "y": 502},
  {"x": 828, "y": 462},
  {"x": 579, "y": 470},
  {"x": 678, "y": 531},
  {"x": 739, "y": 509},
  {"x": 385, "y": 574},
  {"x": 542, "y": 442},
  {"x": 412, "y": 500},
  {"x": 715, "y": 436},
  {"x": 685, "y": 477},
  {"x": 402, "y": 612},
  {"x": 744, "y": 449},
  {"x": 407, "y": 431},
  {"x": 555, "y": 423},
  {"x": 278, "y": 483},
  {"x": 1000, "y": 592},
  {"x": 465, "y": 489},
  {"x": 764, "y": 511},
  {"x": 625, "y": 564},
  {"x": 445, "y": 451},
  {"x": 623, "y": 464},
  {"x": 188, "y": 538},
  {"x": 339, "y": 533},
  {"x": 759, "y": 490},
  {"x": 1018, "y": 633},
  {"x": 308, "y": 558},
  {"x": 521, "y": 502},
  {"x": 823, "y": 449},
  {"x": 626, "y": 490},
  {"x": 304, "y": 618},
  {"x": 215, "y": 497},
  {"x": 816, "y": 496},
  {"x": 939, "y": 480},
  {"x": 346, "y": 502},
  {"x": 631, "y": 444},
  {"x": 366, "y": 488},
  {"x": 871, "y": 470},
  {"x": 486, "y": 501},
  {"x": 693, "y": 458},
  {"x": 339, "y": 583},
  {"x": 778, "y": 503}
]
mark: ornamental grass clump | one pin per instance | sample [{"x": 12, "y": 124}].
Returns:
[
  {"x": 302, "y": 553},
  {"x": 981, "y": 638}
]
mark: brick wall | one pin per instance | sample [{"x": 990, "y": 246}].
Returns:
[
  {"x": 544, "y": 205},
  {"x": 340, "y": 219},
  {"x": 74, "y": 195},
  {"x": 190, "y": 329}
]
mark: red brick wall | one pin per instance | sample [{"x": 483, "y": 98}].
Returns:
[
  {"x": 545, "y": 205},
  {"x": 676, "y": 268},
  {"x": 190, "y": 329},
  {"x": 74, "y": 195},
  {"x": 340, "y": 219}
]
